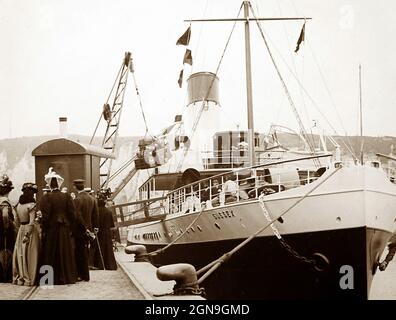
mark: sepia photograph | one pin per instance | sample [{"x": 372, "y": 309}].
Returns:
[{"x": 199, "y": 151}]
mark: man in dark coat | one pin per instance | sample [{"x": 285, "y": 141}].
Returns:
[
  {"x": 104, "y": 258},
  {"x": 87, "y": 214},
  {"x": 391, "y": 253},
  {"x": 58, "y": 220}
]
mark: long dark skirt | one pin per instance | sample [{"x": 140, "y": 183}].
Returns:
[
  {"x": 58, "y": 252},
  {"x": 7, "y": 243}
]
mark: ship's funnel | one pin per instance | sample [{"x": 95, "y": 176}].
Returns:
[
  {"x": 63, "y": 127},
  {"x": 203, "y": 86}
]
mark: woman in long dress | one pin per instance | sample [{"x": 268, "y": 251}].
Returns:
[
  {"x": 27, "y": 245},
  {"x": 7, "y": 230},
  {"x": 58, "y": 220},
  {"x": 104, "y": 258}
]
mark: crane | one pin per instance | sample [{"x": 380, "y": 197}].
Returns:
[
  {"x": 148, "y": 147},
  {"x": 112, "y": 115}
]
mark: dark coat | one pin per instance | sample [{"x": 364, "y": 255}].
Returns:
[
  {"x": 105, "y": 237},
  {"x": 391, "y": 248},
  {"x": 87, "y": 216},
  {"x": 87, "y": 209},
  {"x": 7, "y": 239},
  {"x": 58, "y": 220}
]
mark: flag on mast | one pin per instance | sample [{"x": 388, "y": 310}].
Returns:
[
  {"x": 184, "y": 40},
  {"x": 301, "y": 38},
  {"x": 180, "y": 81},
  {"x": 187, "y": 57}
]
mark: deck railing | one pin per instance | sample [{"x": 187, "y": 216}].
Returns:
[
  {"x": 239, "y": 185},
  {"x": 234, "y": 186}
]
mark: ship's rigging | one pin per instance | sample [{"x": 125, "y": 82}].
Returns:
[
  {"x": 249, "y": 95},
  {"x": 112, "y": 114}
]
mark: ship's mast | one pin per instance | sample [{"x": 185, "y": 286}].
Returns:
[{"x": 249, "y": 95}]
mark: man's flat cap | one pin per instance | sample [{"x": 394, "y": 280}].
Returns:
[{"x": 79, "y": 181}]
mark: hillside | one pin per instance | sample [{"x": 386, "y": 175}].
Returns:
[
  {"x": 372, "y": 145},
  {"x": 17, "y": 161}
]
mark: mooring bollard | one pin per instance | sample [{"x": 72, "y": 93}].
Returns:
[
  {"x": 139, "y": 251},
  {"x": 185, "y": 276}
]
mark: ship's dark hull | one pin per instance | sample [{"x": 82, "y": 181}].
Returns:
[{"x": 264, "y": 269}]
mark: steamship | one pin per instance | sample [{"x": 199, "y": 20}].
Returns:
[{"x": 308, "y": 215}]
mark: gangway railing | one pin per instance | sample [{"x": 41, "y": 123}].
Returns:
[
  {"x": 125, "y": 180},
  {"x": 140, "y": 211}
]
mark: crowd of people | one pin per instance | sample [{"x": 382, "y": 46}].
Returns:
[{"x": 70, "y": 233}]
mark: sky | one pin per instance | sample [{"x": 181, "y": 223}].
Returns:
[{"x": 60, "y": 58}]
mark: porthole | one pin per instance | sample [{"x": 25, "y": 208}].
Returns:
[{"x": 280, "y": 219}]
